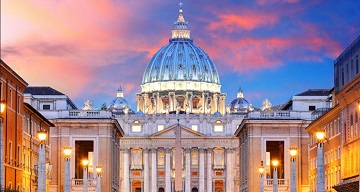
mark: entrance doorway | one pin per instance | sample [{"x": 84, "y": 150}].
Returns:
[
  {"x": 194, "y": 189},
  {"x": 136, "y": 186},
  {"x": 219, "y": 186}
]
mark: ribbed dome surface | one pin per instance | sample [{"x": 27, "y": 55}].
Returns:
[{"x": 181, "y": 60}]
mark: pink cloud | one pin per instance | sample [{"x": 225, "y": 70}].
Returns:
[
  {"x": 70, "y": 40},
  {"x": 266, "y": 2},
  {"x": 250, "y": 53},
  {"x": 244, "y": 20}
]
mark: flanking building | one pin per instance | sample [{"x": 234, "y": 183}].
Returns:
[
  {"x": 341, "y": 126},
  {"x": 92, "y": 135},
  {"x": 269, "y": 134},
  {"x": 19, "y": 142}
]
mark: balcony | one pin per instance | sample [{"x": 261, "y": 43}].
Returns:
[
  {"x": 77, "y": 185},
  {"x": 283, "y": 185}
]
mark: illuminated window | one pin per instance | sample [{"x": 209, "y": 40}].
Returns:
[
  {"x": 194, "y": 127},
  {"x": 136, "y": 127},
  {"x": 161, "y": 158},
  {"x": 195, "y": 103},
  {"x": 218, "y": 126},
  {"x": 165, "y": 102},
  {"x": 194, "y": 158},
  {"x": 160, "y": 127}
]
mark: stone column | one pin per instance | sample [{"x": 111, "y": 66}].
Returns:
[
  {"x": 320, "y": 175},
  {"x": 187, "y": 169},
  {"x": 167, "y": 170},
  {"x": 209, "y": 171},
  {"x": 153, "y": 170},
  {"x": 201, "y": 170},
  {"x": 146, "y": 170},
  {"x": 41, "y": 168},
  {"x": 126, "y": 152},
  {"x": 229, "y": 170},
  {"x": 171, "y": 102}
]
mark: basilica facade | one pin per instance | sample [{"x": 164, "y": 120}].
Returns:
[
  {"x": 180, "y": 90},
  {"x": 181, "y": 133}
]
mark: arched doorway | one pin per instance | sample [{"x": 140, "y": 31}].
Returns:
[
  {"x": 136, "y": 186},
  {"x": 161, "y": 189},
  {"x": 194, "y": 189}
]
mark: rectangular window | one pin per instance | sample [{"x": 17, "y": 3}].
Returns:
[
  {"x": 46, "y": 107},
  {"x": 194, "y": 158},
  {"x": 18, "y": 104},
  {"x": 194, "y": 127},
  {"x": 10, "y": 100},
  {"x": 136, "y": 128},
  {"x": 18, "y": 156},
  {"x": 160, "y": 127},
  {"x": 10, "y": 153},
  {"x": 218, "y": 128},
  {"x": 312, "y": 108},
  {"x": 342, "y": 77}
]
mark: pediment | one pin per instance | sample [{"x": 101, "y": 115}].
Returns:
[{"x": 169, "y": 132}]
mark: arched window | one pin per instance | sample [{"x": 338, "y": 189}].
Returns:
[
  {"x": 194, "y": 189},
  {"x": 195, "y": 102},
  {"x": 161, "y": 189}
]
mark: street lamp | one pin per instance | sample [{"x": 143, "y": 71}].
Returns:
[
  {"x": 320, "y": 174},
  {"x": 42, "y": 135},
  {"x": 2, "y": 165},
  {"x": 98, "y": 183},
  {"x": 275, "y": 164},
  {"x": 67, "y": 153},
  {"x": 293, "y": 153},
  {"x": 261, "y": 171},
  {"x": 85, "y": 163}
]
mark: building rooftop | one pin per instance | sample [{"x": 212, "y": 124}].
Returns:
[
  {"x": 315, "y": 92},
  {"x": 42, "y": 91}
]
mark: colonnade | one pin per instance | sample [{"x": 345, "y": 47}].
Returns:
[{"x": 204, "y": 170}]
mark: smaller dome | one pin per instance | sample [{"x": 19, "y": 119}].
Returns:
[
  {"x": 240, "y": 104},
  {"x": 217, "y": 113},
  {"x": 120, "y": 105},
  {"x": 139, "y": 113}
]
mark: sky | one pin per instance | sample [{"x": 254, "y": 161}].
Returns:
[{"x": 273, "y": 49}]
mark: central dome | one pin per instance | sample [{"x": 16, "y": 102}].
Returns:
[{"x": 180, "y": 65}]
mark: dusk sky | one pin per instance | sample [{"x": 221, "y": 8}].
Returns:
[{"x": 86, "y": 49}]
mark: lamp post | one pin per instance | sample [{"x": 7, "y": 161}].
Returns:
[
  {"x": 320, "y": 174},
  {"x": 261, "y": 171},
  {"x": 98, "y": 178},
  {"x": 67, "y": 152},
  {"x": 85, "y": 163},
  {"x": 293, "y": 153},
  {"x": 42, "y": 135},
  {"x": 2, "y": 166},
  {"x": 275, "y": 164}
]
